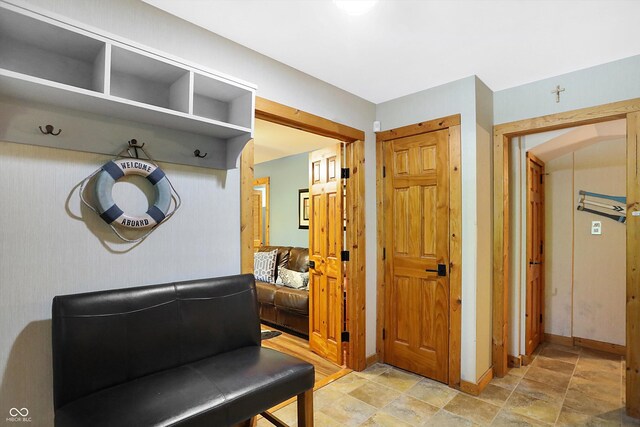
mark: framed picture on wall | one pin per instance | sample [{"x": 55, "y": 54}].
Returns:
[{"x": 303, "y": 208}]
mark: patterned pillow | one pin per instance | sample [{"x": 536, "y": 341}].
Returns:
[
  {"x": 264, "y": 266},
  {"x": 292, "y": 279}
]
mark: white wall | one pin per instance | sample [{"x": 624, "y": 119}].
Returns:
[
  {"x": 614, "y": 81},
  {"x": 457, "y": 97},
  {"x": 599, "y": 273},
  {"x": 49, "y": 252}
]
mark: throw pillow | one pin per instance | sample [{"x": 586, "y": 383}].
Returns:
[
  {"x": 264, "y": 266},
  {"x": 293, "y": 279}
]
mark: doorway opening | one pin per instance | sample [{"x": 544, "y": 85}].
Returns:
[
  {"x": 351, "y": 321},
  {"x": 568, "y": 279},
  {"x": 419, "y": 246},
  {"x": 503, "y": 252}
]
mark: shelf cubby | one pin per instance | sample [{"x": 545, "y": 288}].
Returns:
[
  {"x": 50, "y": 52},
  {"x": 140, "y": 78},
  {"x": 47, "y": 62}
]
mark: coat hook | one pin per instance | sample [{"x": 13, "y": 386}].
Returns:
[
  {"x": 49, "y": 130},
  {"x": 197, "y": 154}
]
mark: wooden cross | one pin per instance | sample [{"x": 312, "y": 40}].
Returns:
[{"x": 557, "y": 91}]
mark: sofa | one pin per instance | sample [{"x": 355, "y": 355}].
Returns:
[
  {"x": 280, "y": 305},
  {"x": 177, "y": 354}
]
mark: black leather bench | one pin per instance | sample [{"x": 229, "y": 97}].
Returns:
[{"x": 177, "y": 354}]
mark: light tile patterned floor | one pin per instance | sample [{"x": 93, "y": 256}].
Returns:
[{"x": 563, "y": 386}]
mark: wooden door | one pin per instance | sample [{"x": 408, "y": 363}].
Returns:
[
  {"x": 535, "y": 254},
  {"x": 256, "y": 202},
  {"x": 416, "y": 215},
  {"x": 325, "y": 246}
]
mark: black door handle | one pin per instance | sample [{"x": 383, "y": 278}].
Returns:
[
  {"x": 442, "y": 270},
  {"x": 535, "y": 262},
  {"x": 312, "y": 264}
]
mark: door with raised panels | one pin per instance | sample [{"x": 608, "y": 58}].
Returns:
[
  {"x": 325, "y": 246},
  {"x": 534, "y": 326},
  {"x": 416, "y": 215}
]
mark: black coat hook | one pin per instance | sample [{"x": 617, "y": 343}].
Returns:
[
  {"x": 197, "y": 154},
  {"x": 48, "y": 130}
]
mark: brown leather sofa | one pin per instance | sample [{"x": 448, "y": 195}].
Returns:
[{"x": 280, "y": 305}]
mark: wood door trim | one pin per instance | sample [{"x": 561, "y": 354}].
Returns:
[
  {"x": 502, "y": 134},
  {"x": 355, "y": 241},
  {"x": 419, "y": 128},
  {"x": 292, "y": 117},
  {"x": 266, "y": 181},
  {"x": 475, "y": 389},
  {"x": 455, "y": 230}
]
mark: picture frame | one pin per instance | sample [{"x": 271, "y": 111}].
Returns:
[{"x": 303, "y": 209}]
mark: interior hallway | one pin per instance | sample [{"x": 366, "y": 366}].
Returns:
[{"x": 563, "y": 386}]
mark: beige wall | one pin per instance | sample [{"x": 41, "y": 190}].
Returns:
[{"x": 585, "y": 298}]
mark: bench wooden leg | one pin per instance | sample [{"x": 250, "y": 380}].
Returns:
[
  {"x": 305, "y": 408},
  {"x": 251, "y": 422}
]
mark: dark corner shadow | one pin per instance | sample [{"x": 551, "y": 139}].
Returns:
[{"x": 28, "y": 379}]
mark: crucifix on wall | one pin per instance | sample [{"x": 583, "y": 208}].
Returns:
[{"x": 557, "y": 91}]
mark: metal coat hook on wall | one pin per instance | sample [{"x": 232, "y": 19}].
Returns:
[
  {"x": 198, "y": 155},
  {"x": 48, "y": 130},
  {"x": 134, "y": 144}
]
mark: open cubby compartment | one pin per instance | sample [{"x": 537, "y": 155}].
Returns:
[
  {"x": 139, "y": 77},
  {"x": 40, "y": 49},
  {"x": 222, "y": 101}
]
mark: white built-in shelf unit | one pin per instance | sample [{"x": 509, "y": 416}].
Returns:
[{"x": 58, "y": 70}]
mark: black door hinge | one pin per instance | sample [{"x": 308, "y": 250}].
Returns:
[
  {"x": 541, "y": 179},
  {"x": 344, "y": 336},
  {"x": 541, "y": 248},
  {"x": 384, "y": 172},
  {"x": 540, "y": 317},
  {"x": 384, "y": 253},
  {"x": 344, "y": 173},
  {"x": 344, "y": 256},
  {"x": 384, "y": 333}
]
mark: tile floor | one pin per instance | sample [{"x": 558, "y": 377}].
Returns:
[{"x": 563, "y": 386}]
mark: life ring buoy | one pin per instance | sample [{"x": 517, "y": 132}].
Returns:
[{"x": 116, "y": 169}]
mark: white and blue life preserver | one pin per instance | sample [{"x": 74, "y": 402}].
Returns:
[{"x": 116, "y": 169}]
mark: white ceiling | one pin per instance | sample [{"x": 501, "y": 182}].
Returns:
[
  {"x": 404, "y": 46},
  {"x": 273, "y": 141}
]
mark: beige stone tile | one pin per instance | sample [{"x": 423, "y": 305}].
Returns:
[
  {"x": 326, "y": 396},
  {"x": 609, "y": 391},
  {"x": 473, "y": 409},
  {"x": 569, "y": 417},
  {"x": 349, "y": 411},
  {"x": 553, "y": 365},
  {"x": 375, "y": 394},
  {"x": 557, "y": 354},
  {"x": 432, "y": 392},
  {"x": 321, "y": 419},
  {"x": 545, "y": 376},
  {"x": 567, "y": 349},
  {"x": 531, "y": 407},
  {"x": 397, "y": 379},
  {"x": 507, "y": 418},
  {"x": 589, "y": 405},
  {"x": 447, "y": 419},
  {"x": 593, "y": 362},
  {"x": 588, "y": 353},
  {"x": 348, "y": 383},
  {"x": 508, "y": 381},
  {"x": 374, "y": 370},
  {"x": 494, "y": 394},
  {"x": 410, "y": 410},
  {"x": 541, "y": 390},
  {"x": 519, "y": 372},
  {"x": 598, "y": 376},
  {"x": 384, "y": 420},
  {"x": 288, "y": 414}
]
